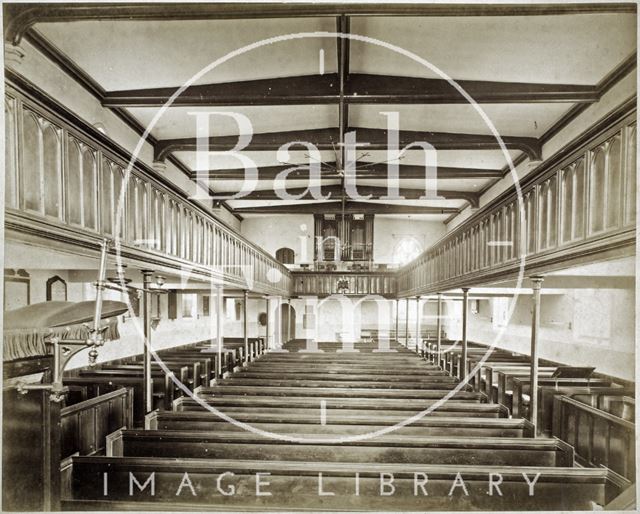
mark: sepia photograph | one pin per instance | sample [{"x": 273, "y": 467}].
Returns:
[{"x": 317, "y": 256}]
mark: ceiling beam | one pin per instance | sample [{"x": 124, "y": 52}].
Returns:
[
  {"x": 336, "y": 191},
  {"x": 364, "y": 170},
  {"x": 19, "y": 17},
  {"x": 358, "y": 88},
  {"x": 376, "y": 139},
  {"x": 350, "y": 208}
]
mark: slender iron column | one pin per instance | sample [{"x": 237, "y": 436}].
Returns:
[
  {"x": 406, "y": 324},
  {"x": 288, "y": 319},
  {"x": 267, "y": 340},
  {"x": 146, "y": 361},
  {"x": 219, "y": 321},
  {"x": 418, "y": 324},
  {"x": 536, "y": 284},
  {"x": 462, "y": 372},
  {"x": 245, "y": 326},
  {"x": 439, "y": 329},
  {"x": 397, "y": 320}
]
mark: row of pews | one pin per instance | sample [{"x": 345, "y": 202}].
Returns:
[
  {"x": 294, "y": 430},
  {"x": 592, "y": 412}
]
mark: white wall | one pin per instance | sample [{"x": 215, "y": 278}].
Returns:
[
  {"x": 581, "y": 327},
  {"x": 387, "y": 233},
  {"x": 281, "y": 231},
  {"x": 296, "y": 232}
]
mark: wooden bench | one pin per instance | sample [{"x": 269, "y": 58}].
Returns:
[
  {"x": 556, "y": 488},
  {"x": 99, "y": 386},
  {"x": 507, "y": 375},
  {"x": 522, "y": 389},
  {"x": 599, "y": 438},
  {"x": 164, "y": 389},
  {"x": 236, "y": 404},
  {"x": 337, "y": 423},
  {"x": 490, "y": 451},
  {"x": 84, "y": 426},
  {"x": 196, "y": 376},
  {"x": 230, "y": 389}
]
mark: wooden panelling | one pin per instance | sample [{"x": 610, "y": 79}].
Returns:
[
  {"x": 85, "y": 425},
  {"x": 58, "y": 174},
  {"x": 575, "y": 210},
  {"x": 326, "y": 283},
  {"x": 599, "y": 438}
]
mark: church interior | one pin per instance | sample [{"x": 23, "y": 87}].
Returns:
[{"x": 324, "y": 257}]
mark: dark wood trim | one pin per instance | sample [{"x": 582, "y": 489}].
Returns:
[
  {"x": 337, "y": 190},
  {"x": 359, "y": 88},
  {"x": 350, "y": 208},
  {"x": 20, "y": 17},
  {"x": 34, "y": 230},
  {"x": 376, "y": 139},
  {"x": 372, "y": 171}
]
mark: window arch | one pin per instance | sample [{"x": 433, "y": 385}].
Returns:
[{"x": 285, "y": 255}]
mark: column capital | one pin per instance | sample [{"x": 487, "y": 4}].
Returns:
[
  {"x": 159, "y": 166},
  {"x": 536, "y": 281},
  {"x": 465, "y": 290}
]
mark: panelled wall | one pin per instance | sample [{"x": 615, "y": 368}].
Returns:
[
  {"x": 58, "y": 175},
  {"x": 581, "y": 205}
]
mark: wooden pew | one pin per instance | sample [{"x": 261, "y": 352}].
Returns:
[
  {"x": 337, "y": 423},
  {"x": 197, "y": 375},
  {"x": 84, "y": 426},
  {"x": 598, "y": 437},
  {"x": 507, "y": 375},
  {"x": 354, "y": 406},
  {"x": 618, "y": 401},
  {"x": 164, "y": 389},
  {"x": 99, "y": 385},
  {"x": 522, "y": 389},
  {"x": 225, "y": 389},
  {"x": 490, "y": 451},
  {"x": 556, "y": 488}
]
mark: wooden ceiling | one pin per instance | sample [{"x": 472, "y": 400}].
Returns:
[{"x": 530, "y": 67}]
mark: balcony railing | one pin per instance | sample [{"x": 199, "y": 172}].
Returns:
[
  {"x": 63, "y": 182},
  {"x": 581, "y": 206},
  {"x": 326, "y": 283}
]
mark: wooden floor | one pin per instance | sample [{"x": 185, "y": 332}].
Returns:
[{"x": 305, "y": 432}]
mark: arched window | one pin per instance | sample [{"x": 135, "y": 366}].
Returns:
[
  {"x": 285, "y": 255},
  {"x": 56, "y": 289},
  {"x": 407, "y": 249}
]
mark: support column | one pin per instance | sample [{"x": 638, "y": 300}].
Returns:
[
  {"x": 418, "y": 324},
  {"x": 278, "y": 322},
  {"x": 406, "y": 324},
  {"x": 462, "y": 372},
  {"x": 288, "y": 319},
  {"x": 245, "y": 326},
  {"x": 146, "y": 361},
  {"x": 219, "y": 322},
  {"x": 536, "y": 285},
  {"x": 439, "y": 329},
  {"x": 267, "y": 338},
  {"x": 397, "y": 320}
]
